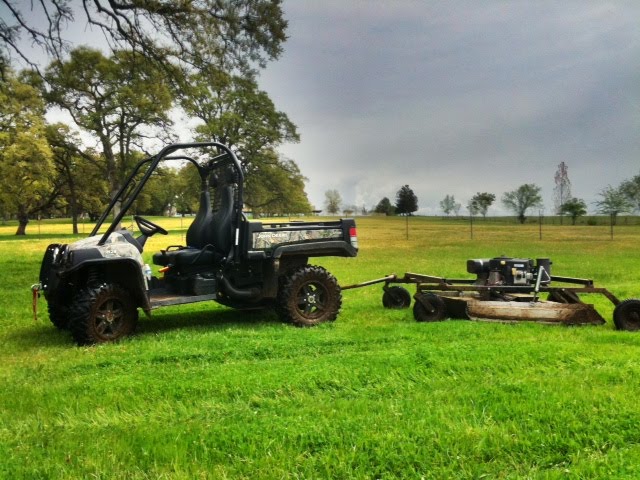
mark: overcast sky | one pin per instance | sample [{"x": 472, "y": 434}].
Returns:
[{"x": 459, "y": 97}]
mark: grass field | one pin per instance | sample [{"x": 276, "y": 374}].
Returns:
[{"x": 206, "y": 392}]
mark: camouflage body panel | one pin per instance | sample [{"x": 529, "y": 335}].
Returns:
[{"x": 266, "y": 240}]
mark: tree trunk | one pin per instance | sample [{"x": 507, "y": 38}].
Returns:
[
  {"x": 73, "y": 197},
  {"x": 74, "y": 209},
  {"x": 23, "y": 220},
  {"x": 74, "y": 221}
]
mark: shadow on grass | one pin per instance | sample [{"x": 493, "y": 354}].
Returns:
[
  {"x": 42, "y": 335},
  {"x": 37, "y": 335}
]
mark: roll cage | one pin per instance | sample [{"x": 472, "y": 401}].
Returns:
[{"x": 131, "y": 188}]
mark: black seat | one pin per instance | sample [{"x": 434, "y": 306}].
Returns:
[{"x": 209, "y": 237}]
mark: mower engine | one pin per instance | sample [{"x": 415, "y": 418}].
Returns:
[{"x": 510, "y": 271}]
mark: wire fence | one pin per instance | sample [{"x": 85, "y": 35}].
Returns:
[{"x": 588, "y": 220}]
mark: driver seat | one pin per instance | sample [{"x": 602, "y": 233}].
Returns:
[{"x": 209, "y": 237}]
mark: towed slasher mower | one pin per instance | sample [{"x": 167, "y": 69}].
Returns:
[{"x": 505, "y": 289}]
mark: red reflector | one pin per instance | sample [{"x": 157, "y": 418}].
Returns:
[{"x": 352, "y": 232}]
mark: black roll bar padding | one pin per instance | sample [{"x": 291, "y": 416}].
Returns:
[{"x": 155, "y": 160}]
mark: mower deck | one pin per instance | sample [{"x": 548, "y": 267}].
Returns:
[
  {"x": 438, "y": 298},
  {"x": 473, "y": 308}
]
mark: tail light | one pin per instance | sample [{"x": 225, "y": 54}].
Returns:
[{"x": 353, "y": 237}]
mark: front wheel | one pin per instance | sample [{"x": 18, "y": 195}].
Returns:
[
  {"x": 308, "y": 296},
  {"x": 626, "y": 315},
  {"x": 102, "y": 314}
]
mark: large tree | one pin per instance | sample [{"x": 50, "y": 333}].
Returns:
[
  {"x": 523, "y": 198},
  {"x": 481, "y": 202},
  {"x": 406, "y": 201},
  {"x": 612, "y": 202},
  {"x": 119, "y": 100},
  {"x": 159, "y": 195},
  {"x": 79, "y": 180},
  {"x": 574, "y": 207},
  {"x": 332, "y": 201},
  {"x": 25, "y": 156},
  {"x": 562, "y": 190},
  {"x": 448, "y": 204},
  {"x": 234, "y": 111},
  {"x": 277, "y": 187},
  {"x": 235, "y": 33},
  {"x": 384, "y": 206},
  {"x": 631, "y": 190}
]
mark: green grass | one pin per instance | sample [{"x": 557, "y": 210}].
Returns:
[{"x": 203, "y": 391}]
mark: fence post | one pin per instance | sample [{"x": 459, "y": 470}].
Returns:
[
  {"x": 540, "y": 212},
  {"x": 611, "y": 217}
]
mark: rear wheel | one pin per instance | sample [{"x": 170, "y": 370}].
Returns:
[
  {"x": 626, "y": 315},
  {"x": 102, "y": 314},
  {"x": 396, "y": 297},
  {"x": 429, "y": 307},
  {"x": 308, "y": 296}
]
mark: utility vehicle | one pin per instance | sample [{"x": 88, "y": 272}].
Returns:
[{"x": 95, "y": 286}]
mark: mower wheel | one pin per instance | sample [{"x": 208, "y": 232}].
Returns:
[
  {"x": 626, "y": 315},
  {"x": 429, "y": 307},
  {"x": 309, "y": 295},
  {"x": 102, "y": 314},
  {"x": 396, "y": 298}
]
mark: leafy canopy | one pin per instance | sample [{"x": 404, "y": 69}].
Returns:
[
  {"x": 233, "y": 34},
  {"x": 612, "y": 202},
  {"x": 574, "y": 207},
  {"x": 332, "y": 200},
  {"x": 448, "y": 204},
  {"x": 406, "y": 201},
  {"x": 631, "y": 190},
  {"x": 481, "y": 202},
  {"x": 384, "y": 206},
  {"x": 523, "y": 198},
  {"x": 25, "y": 155},
  {"x": 119, "y": 100}
]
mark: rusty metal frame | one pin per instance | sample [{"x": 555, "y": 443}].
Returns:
[{"x": 432, "y": 283}]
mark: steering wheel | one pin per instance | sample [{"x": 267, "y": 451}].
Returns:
[{"x": 148, "y": 228}]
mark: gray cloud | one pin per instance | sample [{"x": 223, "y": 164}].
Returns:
[{"x": 460, "y": 97}]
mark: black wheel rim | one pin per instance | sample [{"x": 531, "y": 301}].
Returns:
[
  {"x": 109, "y": 319},
  {"x": 632, "y": 317},
  {"x": 311, "y": 301},
  {"x": 396, "y": 298},
  {"x": 422, "y": 313}
]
